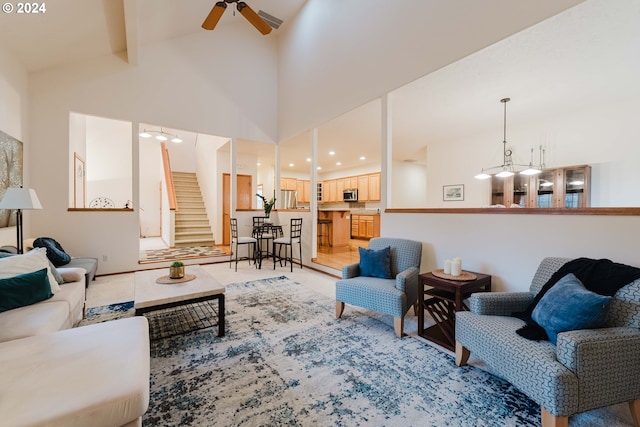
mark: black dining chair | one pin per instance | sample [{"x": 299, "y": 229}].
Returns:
[
  {"x": 252, "y": 243},
  {"x": 295, "y": 237}
]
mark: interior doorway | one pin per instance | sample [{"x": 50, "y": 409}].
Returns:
[{"x": 243, "y": 196}]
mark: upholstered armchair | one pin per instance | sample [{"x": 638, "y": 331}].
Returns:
[
  {"x": 393, "y": 295},
  {"x": 586, "y": 369}
]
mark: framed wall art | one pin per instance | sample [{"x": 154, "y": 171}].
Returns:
[{"x": 453, "y": 193}]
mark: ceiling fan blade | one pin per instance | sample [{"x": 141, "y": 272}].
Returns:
[
  {"x": 214, "y": 16},
  {"x": 253, "y": 17}
]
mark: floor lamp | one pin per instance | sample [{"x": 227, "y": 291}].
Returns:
[{"x": 18, "y": 198}]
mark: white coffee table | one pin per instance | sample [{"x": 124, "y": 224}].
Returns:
[{"x": 150, "y": 296}]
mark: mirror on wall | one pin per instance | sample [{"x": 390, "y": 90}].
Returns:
[{"x": 100, "y": 163}]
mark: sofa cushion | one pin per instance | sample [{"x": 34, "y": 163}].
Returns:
[
  {"x": 55, "y": 252},
  {"x": 36, "y": 319},
  {"x": 52, "y": 268},
  {"x": 95, "y": 375},
  {"x": 569, "y": 306},
  {"x": 375, "y": 263},
  {"x": 33, "y": 260},
  {"x": 24, "y": 289}
]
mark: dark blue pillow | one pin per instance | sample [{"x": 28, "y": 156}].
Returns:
[
  {"x": 55, "y": 253},
  {"x": 24, "y": 289},
  {"x": 375, "y": 263},
  {"x": 569, "y": 306}
]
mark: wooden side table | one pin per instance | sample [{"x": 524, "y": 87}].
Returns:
[{"x": 442, "y": 298}]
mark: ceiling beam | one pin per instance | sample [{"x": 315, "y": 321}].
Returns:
[{"x": 132, "y": 30}]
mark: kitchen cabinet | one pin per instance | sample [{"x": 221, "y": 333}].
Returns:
[
  {"x": 303, "y": 191},
  {"x": 363, "y": 188},
  {"x": 329, "y": 191},
  {"x": 339, "y": 225},
  {"x": 369, "y": 187},
  {"x": 365, "y": 226},
  {"x": 552, "y": 188},
  {"x": 288, "y": 183}
]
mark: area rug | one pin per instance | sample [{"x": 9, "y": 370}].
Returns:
[
  {"x": 286, "y": 360},
  {"x": 187, "y": 252}
]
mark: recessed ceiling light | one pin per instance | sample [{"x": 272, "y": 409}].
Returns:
[
  {"x": 363, "y": 158},
  {"x": 319, "y": 168},
  {"x": 291, "y": 165},
  {"x": 338, "y": 163},
  {"x": 258, "y": 164},
  {"x": 308, "y": 159},
  {"x": 332, "y": 153}
]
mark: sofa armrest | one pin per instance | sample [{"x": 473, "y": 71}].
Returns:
[
  {"x": 72, "y": 274},
  {"x": 499, "y": 303},
  {"x": 350, "y": 271},
  {"x": 605, "y": 362},
  {"x": 405, "y": 279}
]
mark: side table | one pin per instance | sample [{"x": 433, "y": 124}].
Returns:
[{"x": 442, "y": 298}]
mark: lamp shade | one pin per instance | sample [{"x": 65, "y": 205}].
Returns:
[{"x": 20, "y": 198}]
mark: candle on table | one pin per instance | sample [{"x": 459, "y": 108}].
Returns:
[{"x": 447, "y": 266}]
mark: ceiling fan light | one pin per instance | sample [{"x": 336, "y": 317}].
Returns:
[
  {"x": 161, "y": 137},
  {"x": 214, "y": 16},
  {"x": 251, "y": 16},
  {"x": 176, "y": 140},
  {"x": 145, "y": 134}
]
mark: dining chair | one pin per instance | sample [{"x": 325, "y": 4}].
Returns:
[
  {"x": 236, "y": 241},
  {"x": 295, "y": 237}
]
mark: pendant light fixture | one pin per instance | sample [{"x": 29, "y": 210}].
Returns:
[
  {"x": 160, "y": 135},
  {"x": 508, "y": 168}
]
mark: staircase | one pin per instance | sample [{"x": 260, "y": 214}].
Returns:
[{"x": 192, "y": 225}]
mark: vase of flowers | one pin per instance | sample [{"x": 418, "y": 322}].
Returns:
[
  {"x": 268, "y": 205},
  {"x": 176, "y": 270}
]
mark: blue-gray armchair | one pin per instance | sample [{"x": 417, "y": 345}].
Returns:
[
  {"x": 586, "y": 369},
  {"x": 393, "y": 296}
]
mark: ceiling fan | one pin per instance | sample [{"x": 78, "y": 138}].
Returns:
[{"x": 254, "y": 18}]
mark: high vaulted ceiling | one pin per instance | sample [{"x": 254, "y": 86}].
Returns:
[{"x": 75, "y": 30}]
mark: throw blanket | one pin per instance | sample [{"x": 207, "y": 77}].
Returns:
[{"x": 602, "y": 276}]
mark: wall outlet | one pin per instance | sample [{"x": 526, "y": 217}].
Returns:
[{"x": 105, "y": 258}]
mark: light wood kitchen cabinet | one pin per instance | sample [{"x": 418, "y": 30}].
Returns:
[
  {"x": 303, "y": 190},
  {"x": 340, "y": 186},
  {"x": 288, "y": 183},
  {"x": 363, "y": 188},
  {"x": 369, "y": 187},
  {"x": 353, "y": 182},
  {"x": 329, "y": 191},
  {"x": 365, "y": 226},
  {"x": 374, "y": 187}
]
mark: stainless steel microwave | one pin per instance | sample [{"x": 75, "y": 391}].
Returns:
[{"x": 350, "y": 195}]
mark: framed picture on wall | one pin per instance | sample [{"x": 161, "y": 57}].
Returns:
[{"x": 453, "y": 193}]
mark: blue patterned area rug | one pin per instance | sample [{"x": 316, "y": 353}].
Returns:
[{"x": 286, "y": 360}]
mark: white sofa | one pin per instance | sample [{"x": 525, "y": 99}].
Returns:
[
  {"x": 62, "y": 311},
  {"x": 55, "y": 375},
  {"x": 95, "y": 375}
]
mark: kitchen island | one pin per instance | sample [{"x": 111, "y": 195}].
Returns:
[{"x": 339, "y": 226}]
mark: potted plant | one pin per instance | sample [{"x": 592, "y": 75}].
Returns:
[
  {"x": 267, "y": 205},
  {"x": 176, "y": 270}
]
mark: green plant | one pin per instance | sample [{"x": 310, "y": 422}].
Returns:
[
  {"x": 267, "y": 205},
  {"x": 177, "y": 264}
]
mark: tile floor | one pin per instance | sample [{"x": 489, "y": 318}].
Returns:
[{"x": 119, "y": 287}]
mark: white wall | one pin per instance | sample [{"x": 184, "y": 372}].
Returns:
[
  {"x": 194, "y": 82},
  {"x": 209, "y": 179},
  {"x": 151, "y": 187},
  {"x": 510, "y": 247},
  {"x": 14, "y": 121},
  {"x": 339, "y": 55},
  {"x": 409, "y": 185}
]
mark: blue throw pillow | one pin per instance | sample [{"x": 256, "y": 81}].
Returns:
[
  {"x": 375, "y": 263},
  {"x": 24, "y": 289},
  {"x": 569, "y": 306}
]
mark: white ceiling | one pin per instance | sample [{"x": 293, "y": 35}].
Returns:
[{"x": 545, "y": 65}]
